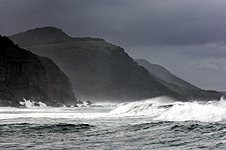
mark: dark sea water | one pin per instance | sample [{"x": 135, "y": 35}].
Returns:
[{"x": 158, "y": 123}]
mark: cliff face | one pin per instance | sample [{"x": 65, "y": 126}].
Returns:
[
  {"x": 25, "y": 75},
  {"x": 98, "y": 70}
]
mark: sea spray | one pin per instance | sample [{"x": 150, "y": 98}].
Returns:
[
  {"x": 164, "y": 109},
  {"x": 212, "y": 111},
  {"x": 31, "y": 104},
  {"x": 156, "y": 109},
  {"x": 151, "y": 107}
]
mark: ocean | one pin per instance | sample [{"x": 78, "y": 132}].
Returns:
[{"x": 158, "y": 123}]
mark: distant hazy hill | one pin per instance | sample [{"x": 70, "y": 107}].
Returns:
[
  {"x": 164, "y": 74},
  {"x": 26, "y": 75},
  {"x": 223, "y": 92},
  {"x": 176, "y": 84},
  {"x": 98, "y": 70}
]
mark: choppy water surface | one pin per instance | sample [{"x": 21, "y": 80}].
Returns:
[{"x": 158, "y": 123}]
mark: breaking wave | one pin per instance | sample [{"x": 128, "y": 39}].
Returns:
[
  {"x": 158, "y": 123},
  {"x": 31, "y": 104},
  {"x": 165, "y": 109},
  {"x": 155, "y": 109}
]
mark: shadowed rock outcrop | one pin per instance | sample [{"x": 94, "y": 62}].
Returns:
[{"x": 25, "y": 75}]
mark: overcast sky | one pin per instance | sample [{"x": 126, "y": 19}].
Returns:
[{"x": 187, "y": 37}]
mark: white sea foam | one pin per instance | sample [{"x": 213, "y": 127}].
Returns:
[
  {"x": 159, "y": 109},
  {"x": 212, "y": 111},
  {"x": 150, "y": 107},
  {"x": 31, "y": 104},
  {"x": 167, "y": 110}
]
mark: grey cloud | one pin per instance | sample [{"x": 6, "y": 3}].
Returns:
[
  {"x": 127, "y": 22},
  {"x": 211, "y": 50},
  {"x": 179, "y": 24},
  {"x": 207, "y": 64},
  {"x": 19, "y": 16}
]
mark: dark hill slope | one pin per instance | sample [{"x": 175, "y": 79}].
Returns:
[
  {"x": 164, "y": 74},
  {"x": 25, "y": 75},
  {"x": 176, "y": 84},
  {"x": 38, "y": 36},
  {"x": 98, "y": 70}
]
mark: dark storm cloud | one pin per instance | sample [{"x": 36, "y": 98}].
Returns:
[
  {"x": 178, "y": 23},
  {"x": 211, "y": 50},
  {"x": 126, "y": 22},
  {"x": 156, "y": 22},
  {"x": 18, "y": 16}
]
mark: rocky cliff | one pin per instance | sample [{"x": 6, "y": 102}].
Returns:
[
  {"x": 24, "y": 75},
  {"x": 98, "y": 70}
]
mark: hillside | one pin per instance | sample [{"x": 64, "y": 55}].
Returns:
[
  {"x": 176, "y": 84},
  {"x": 40, "y": 36},
  {"x": 102, "y": 71},
  {"x": 98, "y": 70},
  {"x": 25, "y": 75},
  {"x": 164, "y": 74}
]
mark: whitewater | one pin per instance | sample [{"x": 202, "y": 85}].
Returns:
[{"x": 157, "y": 123}]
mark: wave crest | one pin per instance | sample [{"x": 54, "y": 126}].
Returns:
[{"x": 164, "y": 109}]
